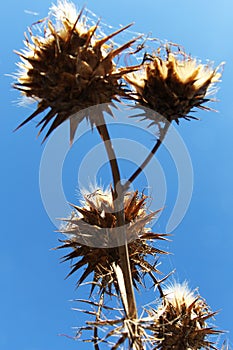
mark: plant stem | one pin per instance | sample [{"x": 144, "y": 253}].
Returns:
[
  {"x": 158, "y": 143},
  {"x": 96, "y": 338},
  {"x": 130, "y": 308}
]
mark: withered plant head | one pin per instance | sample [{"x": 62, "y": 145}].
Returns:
[
  {"x": 179, "y": 322},
  {"x": 173, "y": 85},
  {"x": 70, "y": 67},
  {"x": 94, "y": 239}
]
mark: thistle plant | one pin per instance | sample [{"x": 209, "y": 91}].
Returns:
[
  {"x": 180, "y": 320},
  {"x": 74, "y": 72},
  {"x": 94, "y": 239},
  {"x": 63, "y": 69}
]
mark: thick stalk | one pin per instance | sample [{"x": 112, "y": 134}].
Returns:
[{"x": 130, "y": 308}]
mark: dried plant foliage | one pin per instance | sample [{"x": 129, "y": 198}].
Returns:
[
  {"x": 93, "y": 237},
  {"x": 180, "y": 321},
  {"x": 69, "y": 68},
  {"x": 121, "y": 332},
  {"x": 174, "y": 85}
]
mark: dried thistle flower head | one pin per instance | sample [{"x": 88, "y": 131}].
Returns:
[
  {"x": 94, "y": 238},
  {"x": 180, "y": 320},
  {"x": 69, "y": 68},
  {"x": 173, "y": 86}
]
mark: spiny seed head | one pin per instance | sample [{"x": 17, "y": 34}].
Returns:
[
  {"x": 94, "y": 238},
  {"x": 174, "y": 85},
  {"x": 180, "y": 320},
  {"x": 69, "y": 68}
]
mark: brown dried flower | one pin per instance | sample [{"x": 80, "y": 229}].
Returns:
[
  {"x": 95, "y": 239},
  {"x": 173, "y": 86},
  {"x": 180, "y": 320},
  {"x": 69, "y": 68}
]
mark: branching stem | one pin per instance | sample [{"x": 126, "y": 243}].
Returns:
[
  {"x": 130, "y": 308},
  {"x": 158, "y": 143},
  {"x": 127, "y": 293}
]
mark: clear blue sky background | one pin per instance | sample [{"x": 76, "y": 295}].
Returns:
[{"x": 34, "y": 298}]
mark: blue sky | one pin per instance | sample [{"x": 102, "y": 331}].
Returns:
[{"x": 35, "y": 304}]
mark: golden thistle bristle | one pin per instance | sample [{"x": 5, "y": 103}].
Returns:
[
  {"x": 69, "y": 69},
  {"x": 92, "y": 235},
  {"x": 173, "y": 86}
]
